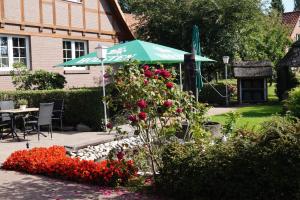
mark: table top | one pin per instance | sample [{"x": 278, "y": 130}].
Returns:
[{"x": 15, "y": 111}]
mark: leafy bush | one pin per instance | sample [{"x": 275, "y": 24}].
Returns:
[
  {"x": 53, "y": 162},
  {"x": 209, "y": 95},
  {"x": 256, "y": 167},
  {"x": 154, "y": 104},
  {"x": 293, "y": 102},
  {"x": 81, "y": 105},
  {"x": 23, "y": 79}
]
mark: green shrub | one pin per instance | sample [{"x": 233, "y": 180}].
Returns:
[
  {"x": 209, "y": 95},
  {"x": 23, "y": 79},
  {"x": 262, "y": 167},
  {"x": 293, "y": 102},
  {"x": 81, "y": 105}
]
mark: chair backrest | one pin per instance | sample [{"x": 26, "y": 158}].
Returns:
[
  {"x": 6, "y": 105},
  {"x": 45, "y": 114}
]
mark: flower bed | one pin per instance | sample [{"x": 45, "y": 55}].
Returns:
[{"x": 53, "y": 162}]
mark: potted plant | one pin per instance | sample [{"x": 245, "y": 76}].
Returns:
[{"x": 22, "y": 103}]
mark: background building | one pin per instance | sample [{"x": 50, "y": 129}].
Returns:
[{"x": 44, "y": 33}]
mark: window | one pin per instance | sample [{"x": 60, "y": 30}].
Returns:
[
  {"x": 74, "y": 49},
  {"x": 77, "y": 1},
  {"x": 13, "y": 49},
  {"x": 297, "y": 37}
]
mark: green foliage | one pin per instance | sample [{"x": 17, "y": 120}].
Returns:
[
  {"x": 297, "y": 5},
  {"x": 230, "y": 123},
  {"x": 81, "y": 105},
  {"x": 277, "y": 5},
  {"x": 23, "y": 79},
  {"x": 293, "y": 102},
  {"x": 255, "y": 167},
  {"x": 22, "y": 102},
  {"x": 209, "y": 95},
  {"x": 239, "y": 29}
]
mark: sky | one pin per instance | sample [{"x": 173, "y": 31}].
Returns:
[{"x": 288, "y": 5}]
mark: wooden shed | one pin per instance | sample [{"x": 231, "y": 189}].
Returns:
[{"x": 252, "y": 80}]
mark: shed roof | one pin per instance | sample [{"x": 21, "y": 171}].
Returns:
[
  {"x": 252, "y": 69},
  {"x": 292, "y": 58}
]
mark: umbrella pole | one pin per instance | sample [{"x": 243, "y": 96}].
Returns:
[
  {"x": 180, "y": 73},
  {"x": 104, "y": 101}
]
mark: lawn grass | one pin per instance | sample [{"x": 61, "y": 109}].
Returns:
[{"x": 254, "y": 115}]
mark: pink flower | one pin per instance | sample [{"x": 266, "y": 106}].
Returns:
[
  {"x": 165, "y": 73},
  {"x": 142, "y": 115},
  {"x": 146, "y": 67},
  {"x": 146, "y": 82},
  {"x": 148, "y": 73},
  {"x": 179, "y": 110},
  {"x": 142, "y": 104},
  {"x": 132, "y": 118},
  {"x": 156, "y": 77},
  {"x": 168, "y": 104},
  {"x": 170, "y": 85},
  {"x": 106, "y": 75},
  {"x": 157, "y": 71},
  {"x": 120, "y": 155},
  {"x": 109, "y": 125}
]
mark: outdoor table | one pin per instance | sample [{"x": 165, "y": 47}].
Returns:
[{"x": 13, "y": 113}]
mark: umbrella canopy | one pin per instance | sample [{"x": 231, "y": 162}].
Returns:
[
  {"x": 197, "y": 51},
  {"x": 141, "y": 51}
]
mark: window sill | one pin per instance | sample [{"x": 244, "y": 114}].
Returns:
[
  {"x": 5, "y": 73},
  {"x": 72, "y": 1},
  {"x": 77, "y": 72}
]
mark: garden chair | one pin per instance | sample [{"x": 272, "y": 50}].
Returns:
[
  {"x": 58, "y": 112},
  {"x": 5, "y": 120},
  {"x": 44, "y": 119}
]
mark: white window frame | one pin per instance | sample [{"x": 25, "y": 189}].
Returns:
[
  {"x": 297, "y": 37},
  {"x": 75, "y": 1},
  {"x": 74, "y": 53},
  {"x": 10, "y": 52}
]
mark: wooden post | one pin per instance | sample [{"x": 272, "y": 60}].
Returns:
[{"x": 190, "y": 73}]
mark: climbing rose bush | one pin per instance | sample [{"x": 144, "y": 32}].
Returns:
[
  {"x": 154, "y": 103},
  {"x": 54, "y": 162}
]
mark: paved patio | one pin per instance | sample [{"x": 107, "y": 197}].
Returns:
[
  {"x": 220, "y": 110},
  {"x": 15, "y": 186}
]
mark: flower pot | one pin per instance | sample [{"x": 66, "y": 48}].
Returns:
[
  {"x": 23, "y": 107},
  {"x": 214, "y": 127}
]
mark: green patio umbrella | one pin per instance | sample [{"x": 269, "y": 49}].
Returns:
[
  {"x": 144, "y": 52},
  {"x": 197, "y": 51}
]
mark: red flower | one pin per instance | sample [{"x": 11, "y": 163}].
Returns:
[
  {"x": 146, "y": 82},
  {"x": 179, "y": 110},
  {"x": 142, "y": 115},
  {"x": 148, "y": 73},
  {"x": 170, "y": 85},
  {"x": 109, "y": 125},
  {"x": 132, "y": 118},
  {"x": 142, "y": 104},
  {"x": 168, "y": 103},
  {"x": 155, "y": 77},
  {"x": 120, "y": 155},
  {"x": 157, "y": 71},
  {"x": 165, "y": 73},
  {"x": 146, "y": 67}
]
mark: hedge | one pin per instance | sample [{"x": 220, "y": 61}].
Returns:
[
  {"x": 209, "y": 95},
  {"x": 81, "y": 105},
  {"x": 265, "y": 167}
]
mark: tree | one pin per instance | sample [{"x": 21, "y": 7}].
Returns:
[
  {"x": 277, "y": 5},
  {"x": 238, "y": 29},
  {"x": 297, "y": 5}
]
